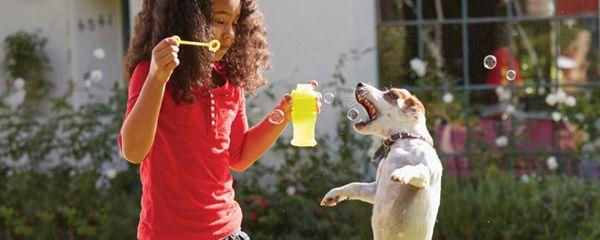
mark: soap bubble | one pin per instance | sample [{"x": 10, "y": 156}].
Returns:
[
  {"x": 352, "y": 114},
  {"x": 328, "y": 98},
  {"x": 489, "y": 62},
  {"x": 276, "y": 117},
  {"x": 511, "y": 75}
]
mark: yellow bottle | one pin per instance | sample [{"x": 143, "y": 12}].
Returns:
[{"x": 304, "y": 115}]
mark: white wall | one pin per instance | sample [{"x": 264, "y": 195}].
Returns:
[
  {"x": 308, "y": 37},
  {"x": 93, "y": 35},
  {"x": 46, "y": 15},
  {"x": 70, "y": 48}
]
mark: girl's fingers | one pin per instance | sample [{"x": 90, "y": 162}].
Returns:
[
  {"x": 319, "y": 105},
  {"x": 173, "y": 64},
  {"x": 314, "y": 83},
  {"x": 287, "y": 98},
  {"x": 167, "y": 60},
  {"x": 166, "y": 52},
  {"x": 165, "y": 43},
  {"x": 162, "y": 44}
]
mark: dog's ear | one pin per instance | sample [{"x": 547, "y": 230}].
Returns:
[
  {"x": 413, "y": 107},
  {"x": 396, "y": 96}
]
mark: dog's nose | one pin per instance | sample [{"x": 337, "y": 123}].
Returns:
[{"x": 360, "y": 84}]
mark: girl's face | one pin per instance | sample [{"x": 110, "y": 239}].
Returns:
[{"x": 225, "y": 17}]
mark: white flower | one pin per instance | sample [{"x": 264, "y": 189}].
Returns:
[
  {"x": 15, "y": 99},
  {"x": 499, "y": 90},
  {"x": 556, "y": 116},
  {"x": 510, "y": 108},
  {"x": 419, "y": 66},
  {"x": 111, "y": 173},
  {"x": 585, "y": 136},
  {"x": 290, "y": 190},
  {"x": 88, "y": 83},
  {"x": 571, "y": 101},
  {"x": 96, "y": 75},
  {"x": 448, "y": 97},
  {"x": 565, "y": 62},
  {"x": 19, "y": 83},
  {"x": 529, "y": 90},
  {"x": 525, "y": 178},
  {"x": 99, "y": 53},
  {"x": 588, "y": 147},
  {"x": 551, "y": 99},
  {"x": 102, "y": 183},
  {"x": 561, "y": 96},
  {"x": 503, "y": 94},
  {"x": 552, "y": 163},
  {"x": 542, "y": 90},
  {"x": 502, "y": 141}
]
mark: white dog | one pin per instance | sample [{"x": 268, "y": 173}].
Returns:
[{"x": 406, "y": 191}]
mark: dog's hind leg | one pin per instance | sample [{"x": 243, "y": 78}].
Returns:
[
  {"x": 354, "y": 191},
  {"x": 415, "y": 175}
]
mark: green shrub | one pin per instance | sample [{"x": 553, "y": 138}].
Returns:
[{"x": 508, "y": 207}]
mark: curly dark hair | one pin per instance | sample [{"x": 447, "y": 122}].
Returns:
[{"x": 244, "y": 62}]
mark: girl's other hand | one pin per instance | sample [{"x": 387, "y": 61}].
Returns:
[
  {"x": 285, "y": 104},
  {"x": 164, "y": 59}
]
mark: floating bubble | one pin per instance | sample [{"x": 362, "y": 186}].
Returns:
[
  {"x": 489, "y": 62},
  {"x": 276, "y": 117},
  {"x": 511, "y": 75},
  {"x": 353, "y": 114},
  {"x": 328, "y": 98}
]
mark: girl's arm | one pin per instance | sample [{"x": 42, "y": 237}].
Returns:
[
  {"x": 139, "y": 127},
  {"x": 261, "y": 137}
]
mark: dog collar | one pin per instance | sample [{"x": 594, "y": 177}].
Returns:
[{"x": 384, "y": 149}]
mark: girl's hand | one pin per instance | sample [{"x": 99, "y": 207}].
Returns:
[
  {"x": 285, "y": 104},
  {"x": 164, "y": 59}
]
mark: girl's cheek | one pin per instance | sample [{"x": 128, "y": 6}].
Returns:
[{"x": 215, "y": 31}]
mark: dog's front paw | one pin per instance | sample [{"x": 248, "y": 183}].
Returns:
[
  {"x": 410, "y": 175},
  {"x": 333, "y": 197},
  {"x": 402, "y": 175}
]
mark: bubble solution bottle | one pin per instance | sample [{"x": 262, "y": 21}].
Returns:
[{"x": 304, "y": 115}]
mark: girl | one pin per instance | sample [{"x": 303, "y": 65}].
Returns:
[{"x": 185, "y": 120}]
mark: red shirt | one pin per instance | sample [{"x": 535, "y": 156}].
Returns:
[{"x": 186, "y": 180}]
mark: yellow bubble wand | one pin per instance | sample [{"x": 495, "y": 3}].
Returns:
[{"x": 212, "y": 46}]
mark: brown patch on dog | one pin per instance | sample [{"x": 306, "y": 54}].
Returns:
[
  {"x": 414, "y": 102},
  {"x": 392, "y": 96}
]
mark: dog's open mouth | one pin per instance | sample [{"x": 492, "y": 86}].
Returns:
[{"x": 369, "y": 107}]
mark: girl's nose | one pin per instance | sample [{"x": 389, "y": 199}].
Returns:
[{"x": 229, "y": 34}]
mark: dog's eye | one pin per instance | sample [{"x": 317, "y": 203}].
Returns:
[{"x": 391, "y": 95}]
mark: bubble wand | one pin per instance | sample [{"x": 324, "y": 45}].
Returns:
[{"x": 212, "y": 46}]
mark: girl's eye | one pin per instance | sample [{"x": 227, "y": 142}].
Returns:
[{"x": 219, "y": 21}]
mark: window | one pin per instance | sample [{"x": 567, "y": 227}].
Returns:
[{"x": 546, "y": 110}]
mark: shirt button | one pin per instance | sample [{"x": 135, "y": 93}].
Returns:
[
  {"x": 212, "y": 109},
  {"x": 213, "y": 122},
  {"x": 212, "y": 115},
  {"x": 211, "y": 95},
  {"x": 212, "y": 101}
]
